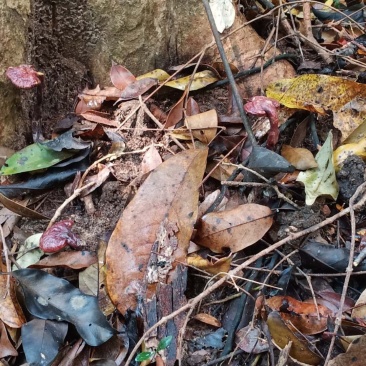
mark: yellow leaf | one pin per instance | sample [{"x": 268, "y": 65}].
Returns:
[{"x": 200, "y": 80}]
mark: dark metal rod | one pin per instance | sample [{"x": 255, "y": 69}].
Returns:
[{"x": 229, "y": 74}]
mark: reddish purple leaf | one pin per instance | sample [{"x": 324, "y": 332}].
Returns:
[{"x": 58, "y": 236}]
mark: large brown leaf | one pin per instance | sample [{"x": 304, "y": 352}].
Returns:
[
  {"x": 162, "y": 214},
  {"x": 235, "y": 229}
]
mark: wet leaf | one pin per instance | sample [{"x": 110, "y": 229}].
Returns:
[
  {"x": 137, "y": 88},
  {"x": 121, "y": 77},
  {"x": 66, "y": 141},
  {"x": 74, "y": 260},
  {"x": 58, "y": 236},
  {"x": 250, "y": 340},
  {"x": 282, "y": 335},
  {"x": 301, "y": 316},
  {"x": 42, "y": 340},
  {"x": 33, "y": 157},
  {"x": 301, "y": 159},
  {"x": 163, "y": 211},
  {"x": 49, "y": 297},
  {"x": 222, "y": 265},
  {"x": 325, "y": 258},
  {"x": 321, "y": 180},
  {"x": 24, "y": 76},
  {"x": 235, "y": 229},
  {"x": 201, "y": 79}
]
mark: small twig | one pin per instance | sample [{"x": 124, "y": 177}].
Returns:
[
  {"x": 66, "y": 202},
  {"x": 7, "y": 261},
  {"x": 292, "y": 236},
  {"x": 338, "y": 320}
]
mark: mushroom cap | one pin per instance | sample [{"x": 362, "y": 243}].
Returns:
[
  {"x": 260, "y": 106},
  {"x": 24, "y": 76}
]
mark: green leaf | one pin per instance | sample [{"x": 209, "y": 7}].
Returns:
[
  {"x": 33, "y": 157},
  {"x": 164, "y": 343},
  {"x": 321, "y": 180},
  {"x": 144, "y": 356}
]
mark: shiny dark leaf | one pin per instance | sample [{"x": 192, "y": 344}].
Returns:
[
  {"x": 42, "y": 339},
  {"x": 49, "y": 297}
]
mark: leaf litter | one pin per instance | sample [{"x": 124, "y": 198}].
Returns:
[{"x": 177, "y": 214}]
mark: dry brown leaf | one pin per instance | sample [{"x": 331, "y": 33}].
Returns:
[
  {"x": 151, "y": 160},
  {"x": 250, "y": 340},
  {"x": 203, "y": 125},
  {"x": 162, "y": 213},
  {"x": 137, "y": 88},
  {"x": 208, "y": 319},
  {"x": 6, "y": 347},
  {"x": 209, "y": 200},
  {"x": 176, "y": 112},
  {"x": 301, "y": 159},
  {"x": 220, "y": 266},
  {"x": 74, "y": 260},
  {"x": 359, "y": 311},
  {"x": 302, "y": 316},
  {"x": 121, "y": 77},
  {"x": 10, "y": 311},
  {"x": 235, "y": 229},
  {"x": 99, "y": 117}
]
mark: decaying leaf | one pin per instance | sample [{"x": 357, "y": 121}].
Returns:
[
  {"x": 300, "y": 158},
  {"x": 137, "y": 88},
  {"x": 158, "y": 74},
  {"x": 66, "y": 141},
  {"x": 163, "y": 211},
  {"x": 316, "y": 93},
  {"x": 6, "y": 347},
  {"x": 321, "y": 180},
  {"x": 301, "y": 316},
  {"x": 99, "y": 117},
  {"x": 359, "y": 310},
  {"x": 29, "y": 253},
  {"x": 10, "y": 311},
  {"x": 355, "y": 355},
  {"x": 224, "y": 13},
  {"x": 250, "y": 340},
  {"x": 42, "y": 340},
  {"x": 235, "y": 229},
  {"x": 52, "y": 298},
  {"x": 282, "y": 335},
  {"x": 19, "y": 208}
]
